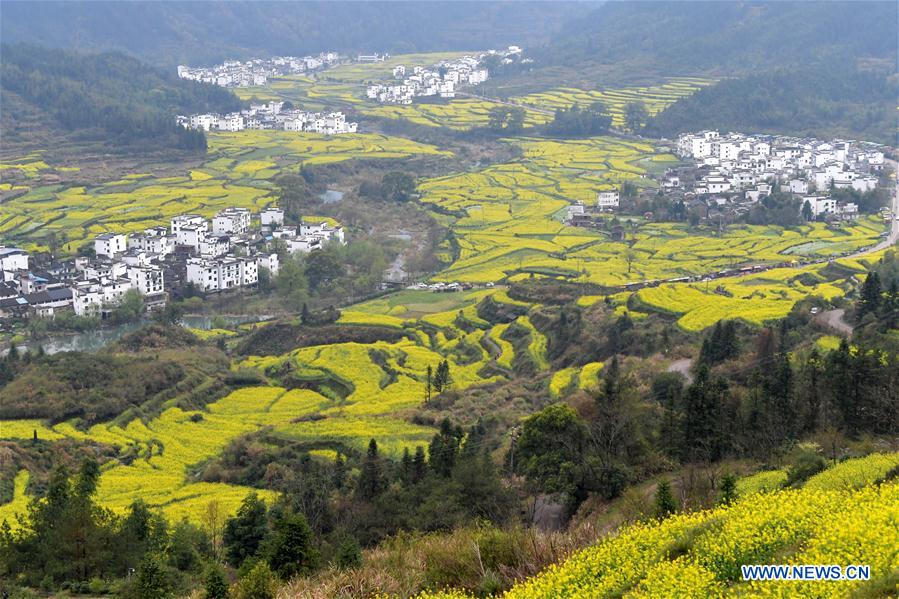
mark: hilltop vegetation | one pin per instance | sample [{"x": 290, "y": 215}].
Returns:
[
  {"x": 726, "y": 38},
  {"x": 111, "y": 96},
  {"x": 824, "y": 102}
]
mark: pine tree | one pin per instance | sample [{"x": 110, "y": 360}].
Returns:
[
  {"x": 444, "y": 449},
  {"x": 702, "y": 427},
  {"x": 305, "y": 317},
  {"x": 611, "y": 381},
  {"x": 339, "y": 471},
  {"x": 442, "y": 379},
  {"x": 419, "y": 465},
  {"x": 664, "y": 500},
  {"x": 869, "y": 302},
  {"x": 727, "y": 490},
  {"x": 371, "y": 478},
  {"x": 429, "y": 381},
  {"x": 406, "y": 467}
]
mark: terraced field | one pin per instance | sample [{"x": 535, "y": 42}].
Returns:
[
  {"x": 507, "y": 221},
  {"x": 344, "y": 87},
  {"x": 358, "y": 392},
  {"x": 700, "y": 554},
  {"x": 755, "y": 298},
  {"x": 237, "y": 172},
  {"x": 654, "y": 98}
]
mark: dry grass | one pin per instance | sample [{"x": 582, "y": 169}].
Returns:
[{"x": 478, "y": 560}]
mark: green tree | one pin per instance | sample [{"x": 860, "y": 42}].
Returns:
[
  {"x": 635, "y": 116},
  {"x": 246, "y": 531},
  {"x": 349, "y": 555},
  {"x": 323, "y": 266},
  {"x": 215, "y": 586},
  {"x": 397, "y": 186},
  {"x": 152, "y": 581},
  {"x": 131, "y": 307},
  {"x": 506, "y": 119},
  {"x": 703, "y": 431},
  {"x": 291, "y": 283},
  {"x": 258, "y": 583},
  {"x": 291, "y": 549},
  {"x": 869, "y": 300},
  {"x": 444, "y": 449},
  {"x": 727, "y": 490},
  {"x": 371, "y": 477},
  {"x": 665, "y": 505},
  {"x": 443, "y": 379},
  {"x": 807, "y": 213},
  {"x": 549, "y": 451}
]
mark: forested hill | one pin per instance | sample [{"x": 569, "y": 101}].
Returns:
[
  {"x": 824, "y": 102},
  {"x": 727, "y": 38},
  {"x": 106, "y": 96},
  {"x": 169, "y": 33}
]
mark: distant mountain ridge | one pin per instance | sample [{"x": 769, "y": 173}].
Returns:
[
  {"x": 728, "y": 38},
  {"x": 200, "y": 33}
]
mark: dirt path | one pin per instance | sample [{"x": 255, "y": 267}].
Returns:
[
  {"x": 682, "y": 366},
  {"x": 834, "y": 319}
]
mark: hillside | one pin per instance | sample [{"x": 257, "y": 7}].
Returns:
[
  {"x": 844, "y": 516},
  {"x": 726, "y": 38},
  {"x": 109, "y": 96},
  {"x": 167, "y": 33},
  {"x": 821, "y": 102}
]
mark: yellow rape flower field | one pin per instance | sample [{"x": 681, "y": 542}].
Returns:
[
  {"x": 364, "y": 393},
  {"x": 237, "y": 172},
  {"x": 701, "y": 553}
]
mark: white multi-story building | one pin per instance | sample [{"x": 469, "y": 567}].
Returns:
[
  {"x": 193, "y": 220},
  {"x": 271, "y": 217},
  {"x": 110, "y": 244},
  {"x": 220, "y": 274},
  {"x": 231, "y": 221},
  {"x": 607, "y": 200},
  {"x": 12, "y": 260},
  {"x": 148, "y": 280}
]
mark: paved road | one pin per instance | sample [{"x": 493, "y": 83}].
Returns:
[{"x": 893, "y": 237}]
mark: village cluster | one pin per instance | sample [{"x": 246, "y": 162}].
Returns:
[
  {"x": 438, "y": 80},
  {"x": 734, "y": 171},
  {"x": 271, "y": 115},
  {"x": 234, "y": 73},
  {"x": 224, "y": 253}
]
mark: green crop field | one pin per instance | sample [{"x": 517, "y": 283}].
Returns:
[{"x": 238, "y": 172}]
